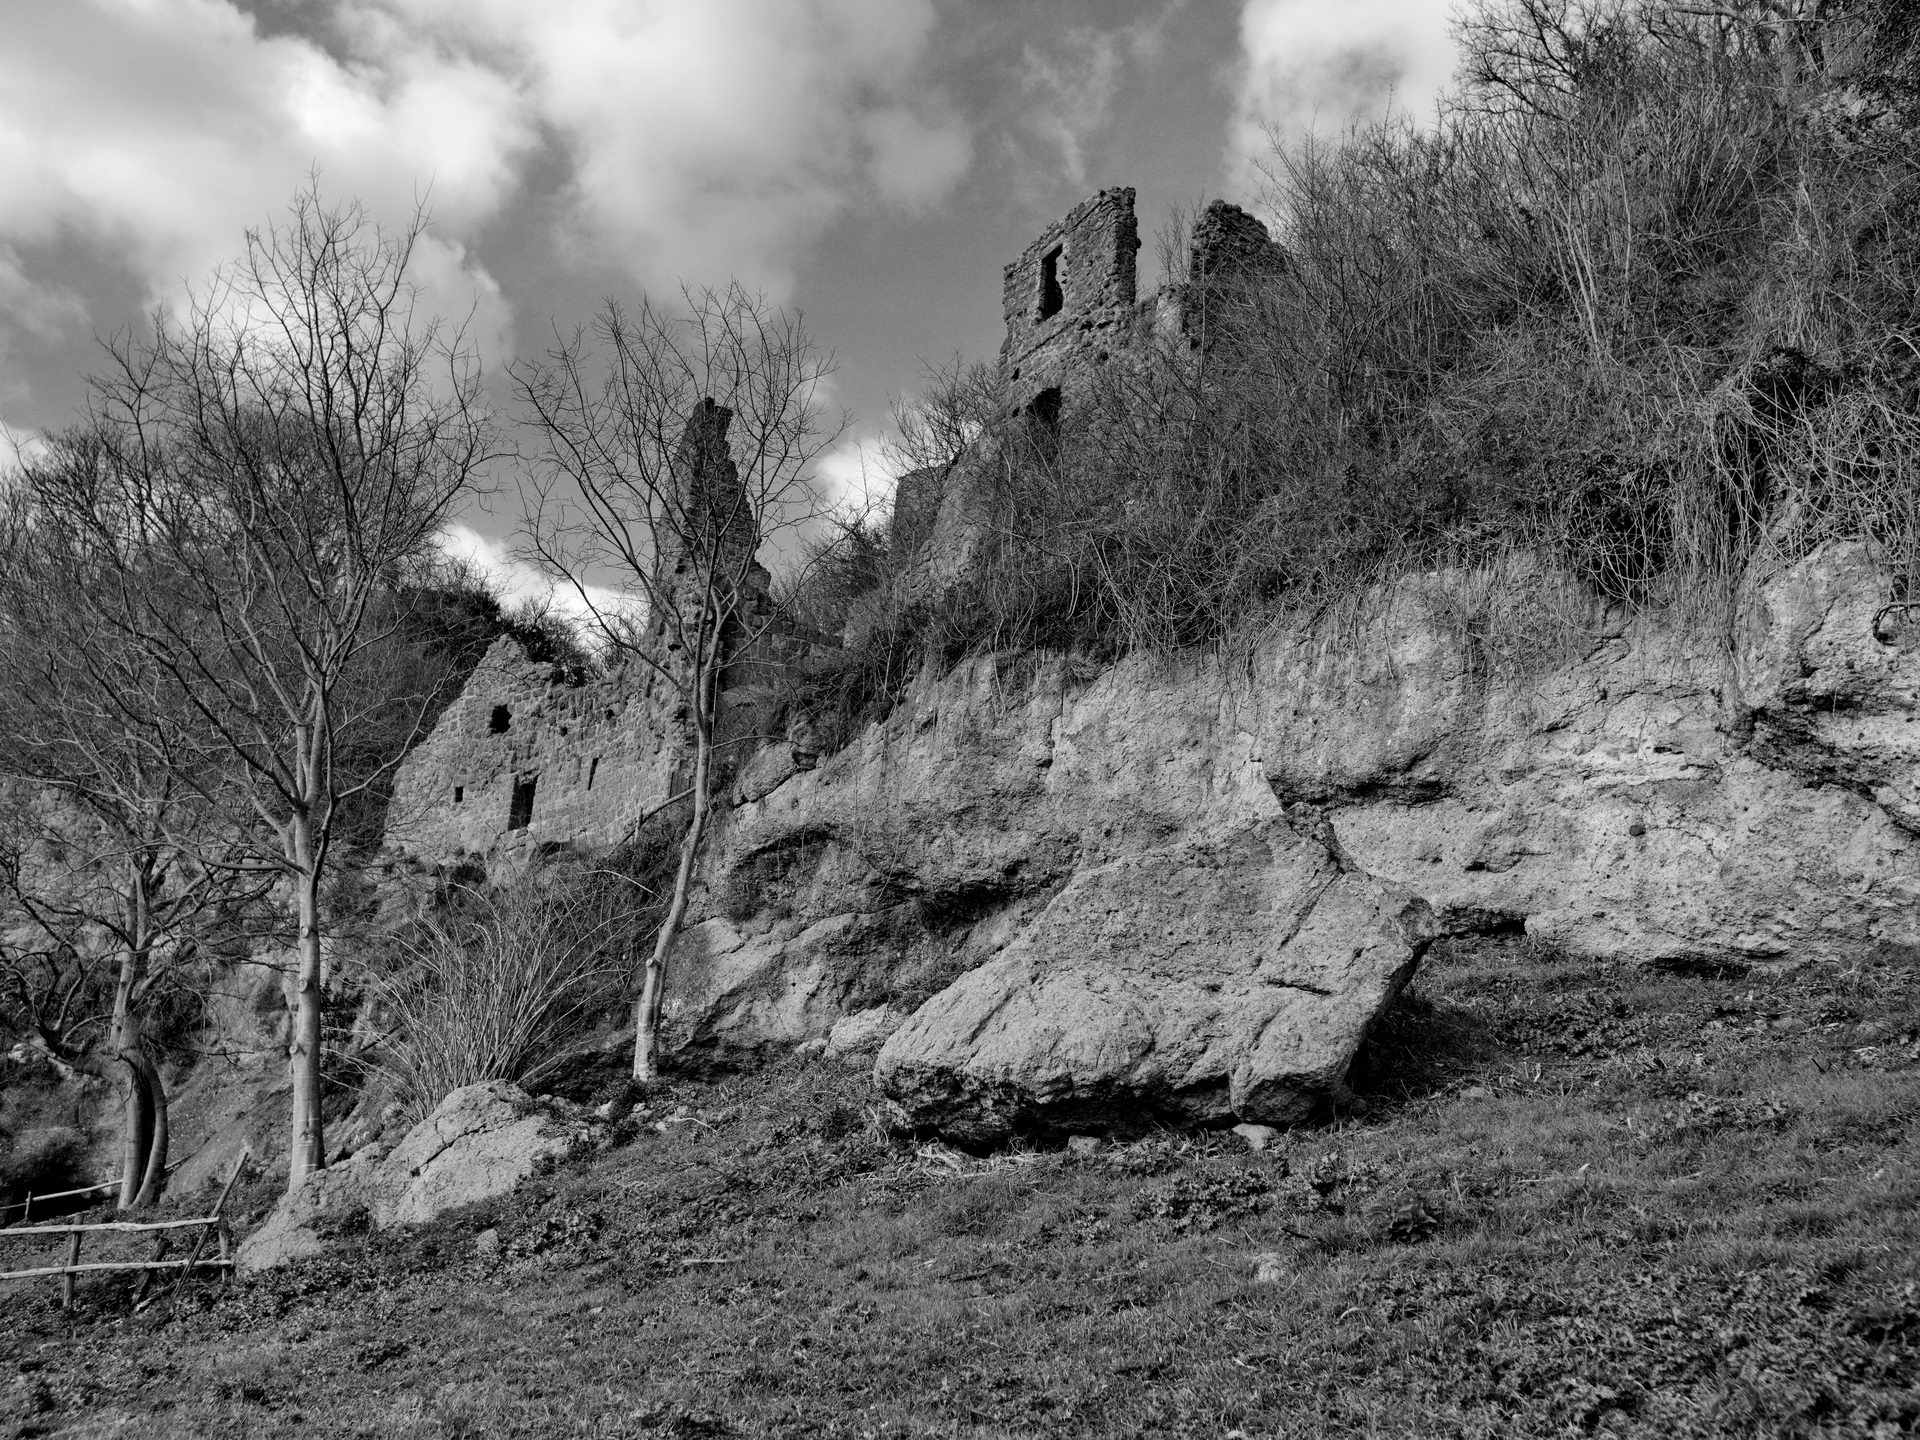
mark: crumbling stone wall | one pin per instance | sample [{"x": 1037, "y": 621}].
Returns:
[
  {"x": 1230, "y": 257},
  {"x": 527, "y": 755},
  {"x": 1228, "y": 244},
  {"x": 1072, "y": 306},
  {"x": 710, "y": 529},
  {"x": 1070, "y": 300}
]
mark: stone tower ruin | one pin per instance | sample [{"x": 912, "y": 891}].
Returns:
[
  {"x": 1070, "y": 299},
  {"x": 713, "y": 528}
]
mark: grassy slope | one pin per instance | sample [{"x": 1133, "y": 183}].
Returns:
[{"x": 1577, "y": 1198}]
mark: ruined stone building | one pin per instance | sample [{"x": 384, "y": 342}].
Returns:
[
  {"x": 1072, "y": 303},
  {"x": 1072, "y": 308},
  {"x": 530, "y": 755}
]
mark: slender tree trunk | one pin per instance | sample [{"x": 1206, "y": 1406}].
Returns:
[
  {"x": 155, "y": 1178},
  {"x": 307, "y": 1151},
  {"x": 136, "y": 1143},
  {"x": 137, "y": 1128},
  {"x": 646, "y": 1010}
]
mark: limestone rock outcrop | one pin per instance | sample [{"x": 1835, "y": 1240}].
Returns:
[
  {"x": 477, "y": 1144},
  {"x": 1079, "y": 881},
  {"x": 1183, "y": 886}
]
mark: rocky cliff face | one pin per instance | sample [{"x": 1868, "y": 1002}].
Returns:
[{"x": 1184, "y": 887}]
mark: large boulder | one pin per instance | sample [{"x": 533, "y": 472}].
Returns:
[
  {"x": 1225, "y": 978},
  {"x": 478, "y": 1143}
]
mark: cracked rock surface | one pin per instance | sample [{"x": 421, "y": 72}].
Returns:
[{"x": 1226, "y": 977}]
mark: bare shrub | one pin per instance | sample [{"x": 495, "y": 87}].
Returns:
[{"x": 493, "y": 986}]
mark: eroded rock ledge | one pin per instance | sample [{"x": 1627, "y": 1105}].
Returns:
[{"x": 1114, "y": 896}]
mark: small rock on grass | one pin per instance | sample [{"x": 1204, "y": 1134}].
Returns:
[
  {"x": 1084, "y": 1144},
  {"x": 1269, "y": 1267},
  {"x": 487, "y": 1244},
  {"x": 1258, "y": 1137}
]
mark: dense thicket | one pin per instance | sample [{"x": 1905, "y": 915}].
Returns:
[{"x": 1641, "y": 299}]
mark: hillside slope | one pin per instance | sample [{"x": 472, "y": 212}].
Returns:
[{"x": 1571, "y": 1197}]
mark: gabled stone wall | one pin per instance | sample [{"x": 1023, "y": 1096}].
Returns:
[{"x": 586, "y": 761}]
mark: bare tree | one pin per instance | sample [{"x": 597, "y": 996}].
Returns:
[
  {"x": 265, "y": 471},
  {"x": 674, "y": 443},
  {"x": 108, "y": 823},
  {"x": 105, "y": 910}
]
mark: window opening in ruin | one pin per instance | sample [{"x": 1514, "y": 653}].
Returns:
[
  {"x": 1051, "y": 298},
  {"x": 1043, "y": 423},
  {"x": 459, "y": 793},
  {"x": 520, "y": 813},
  {"x": 502, "y": 718},
  {"x": 1045, "y": 409},
  {"x": 593, "y": 770}
]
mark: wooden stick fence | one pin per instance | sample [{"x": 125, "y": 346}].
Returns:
[
  {"x": 212, "y": 1226},
  {"x": 25, "y": 1207}
]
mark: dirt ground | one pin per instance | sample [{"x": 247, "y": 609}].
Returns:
[{"x": 1570, "y": 1199}]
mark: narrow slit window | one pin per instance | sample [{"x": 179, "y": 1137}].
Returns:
[
  {"x": 593, "y": 770},
  {"x": 459, "y": 793},
  {"x": 520, "y": 814},
  {"x": 1051, "y": 298},
  {"x": 501, "y": 720}
]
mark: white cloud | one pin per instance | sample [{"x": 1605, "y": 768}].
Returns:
[
  {"x": 719, "y": 138},
  {"x": 1308, "y": 65},
  {"x": 157, "y": 130},
  {"x": 1075, "y": 87},
  {"x": 42, "y": 311},
  {"x": 47, "y": 311},
  {"x": 696, "y": 138},
  {"x": 17, "y": 446},
  {"x": 467, "y": 298},
  {"x": 855, "y": 475},
  {"x": 1072, "y": 87},
  {"x": 518, "y": 582}
]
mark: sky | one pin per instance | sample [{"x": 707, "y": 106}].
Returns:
[{"x": 873, "y": 163}]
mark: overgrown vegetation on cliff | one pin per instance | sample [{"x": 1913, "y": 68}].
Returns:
[{"x": 1640, "y": 299}]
